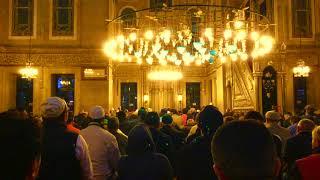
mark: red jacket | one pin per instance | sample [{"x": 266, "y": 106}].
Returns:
[{"x": 309, "y": 167}]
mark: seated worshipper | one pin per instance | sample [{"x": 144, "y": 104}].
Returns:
[
  {"x": 103, "y": 146},
  {"x": 309, "y": 114},
  {"x": 142, "y": 161},
  {"x": 228, "y": 119},
  {"x": 308, "y": 167},
  {"x": 122, "y": 139},
  {"x": 234, "y": 156},
  {"x": 272, "y": 120},
  {"x": 194, "y": 161},
  {"x": 176, "y": 135},
  {"x": 300, "y": 146},
  {"x": 163, "y": 142},
  {"x": 254, "y": 115},
  {"x": 20, "y": 148},
  {"x": 65, "y": 154},
  {"x": 125, "y": 125},
  {"x": 293, "y": 128}
]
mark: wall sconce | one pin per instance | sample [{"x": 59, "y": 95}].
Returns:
[
  {"x": 146, "y": 98},
  {"x": 180, "y": 98}
]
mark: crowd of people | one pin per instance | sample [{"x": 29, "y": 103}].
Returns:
[{"x": 194, "y": 144}]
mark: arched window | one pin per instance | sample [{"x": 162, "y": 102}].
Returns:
[
  {"x": 159, "y": 3},
  {"x": 128, "y": 18}
]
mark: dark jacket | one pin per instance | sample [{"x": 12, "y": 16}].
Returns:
[
  {"x": 298, "y": 147},
  {"x": 122, "y": 142},
  {"x": 163, "y": 143},
  {"x": 176, "y": 136},
  {"x": 58, "y": 157},
  {"x": 194, "y": 161},
  {"x": 142, "y": 163}
]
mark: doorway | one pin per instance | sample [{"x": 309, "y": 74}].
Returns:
[
  {"x": 24, "y": 94},
  {"x": 63, "y": 87}
]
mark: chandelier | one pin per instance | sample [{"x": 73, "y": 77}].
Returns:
[
  {"x": 180, "y": 36},
  {"x": 28, "y": 72},
  {"x": 301, "y": 70}
]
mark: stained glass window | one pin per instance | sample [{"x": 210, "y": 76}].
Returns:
[
  {"x": 22, "y": 24},
  {"x": 159, "y": 3},
  {"x": 129, "y": 94},
  {"x": 128, "y": 18},
  {"x": 301, "y": 18},
  {"x": 193, "y": 94},
  {"x": 63, "y": 18}
]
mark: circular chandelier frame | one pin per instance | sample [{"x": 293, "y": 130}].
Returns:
[{"x": 189, "y": 33}]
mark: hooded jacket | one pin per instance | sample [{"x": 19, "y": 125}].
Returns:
[{"x": 142, "y": 163}]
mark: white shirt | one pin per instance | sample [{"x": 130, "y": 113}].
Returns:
[
  {"x": 103, "y": 149},
  {"x": 82, "y": 154}
]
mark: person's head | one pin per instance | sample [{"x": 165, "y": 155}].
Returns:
[
  {"x": 152, "y": 120},
  {"x": 210, "y": 119},
  {"x": 167, "y": 119},
  {"x": 97, "y": 113},
  {"x": 121, "y": 115},
  {"x": 20, "y": 148},
  {"x": 142, "y": 113},
  {"x": 228, "y": 119},
  {"x": 309, "y": 109},
  {"x": 272, "y": 117},
  {"x": 173, "y": 111},
  {"x": 244, "y": 150},
  {"x": 287, "y": 115},
  {"x": 294, "y": 119},
  {"x": 316, "y": 137},
  {"x": 254, "y": 115},
  {"x": 185, "y": 110},
  {"x": 113, "y": 124},
  {"x": 54, "y": 109},
  {"x": 305, "y": 125},
  {"x": 140, "y": 141}
]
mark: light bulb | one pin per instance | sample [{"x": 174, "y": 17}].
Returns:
[
  {"x": 238, "y": 24},
  {"x": 208, "y": 33},
  {"x": 227, "y": 34},
  {"x": 149, "y": 60},
  {"x": 148, "y": 35},
  {"x": 234, "y": 57},
  {"x": 132, "y": 36},
  {"x": 244, "y": 56},
  {"x": 254, "y": 36}
]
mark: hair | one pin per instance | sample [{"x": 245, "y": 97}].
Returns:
[
  {"x": 113, "y": 123},
  {"x": 306, "y": 125},
  {"x": 228, "y": 119},
  {"x": 152, "y": 119},
  {"x": 210, "y": 119},
  {"x": 273, "y": 116},
  {"x": 121, "y": 115},
  {"x": 167, "y": 119},
  {"x": 244, "y": 150},
  {"x": 185, "y": 110},
  {"x": 20, "y": 146},
  {"x": 294, "y": 119},
  {"x": 142, "y": 113},
  {"x": 254, "y": 115},
  {"x": 316, "y": 137}
]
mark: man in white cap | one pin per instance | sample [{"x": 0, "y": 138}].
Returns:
[
  {"x": 103, "y": 146},
  {"x": 272, "y": 123},
  {"x": 65, "y": 154}
]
